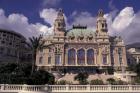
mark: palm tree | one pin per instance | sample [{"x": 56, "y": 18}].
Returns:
[{"x": 35, "y": 44}]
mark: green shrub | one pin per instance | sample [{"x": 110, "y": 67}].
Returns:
[
  {"x": 62, "y": 82},
  {"x": 82, "y": 78},
  {"x": 111, "y": 81},
  {"x": 96, "y": 82},
  {"x": 110, "y": 70}
]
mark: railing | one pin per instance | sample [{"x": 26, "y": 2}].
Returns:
[{"x": 69, "y": 88}]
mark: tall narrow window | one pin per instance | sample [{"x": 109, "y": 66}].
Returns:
[
  {"x": 71, "y": 56},
  {"x": 57, "y": 59},
  {"x": 49, "y": 60},
  {"x": 120, "y": 55},
  {"x": 81, "y": 57},
  {"x": 40, "y": 60},
  {"x": 104, "y": 59},
  {"x": 90, "y": 56}
]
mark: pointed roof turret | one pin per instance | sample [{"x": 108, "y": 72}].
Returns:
[
  {"x": 60, "y": 12},
  {"x": 59, "y": 24},
  {"x": 100, "y": 13}
]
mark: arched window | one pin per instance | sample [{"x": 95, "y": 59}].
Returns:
[
  {"x": 57, "y": 59},
  {"x": 104, "y": 59},
  {"x": 71, "y": 56},
  {"x": 81, "y": 57},
  {"x": 90, "y": 56}
]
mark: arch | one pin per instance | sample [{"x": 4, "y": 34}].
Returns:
[
  {"x": 71, "y": 56},
  {"x": 90, "y": 56},
  {"x": 81, "y": 57}
]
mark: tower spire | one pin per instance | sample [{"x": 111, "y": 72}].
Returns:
[
  {"x": 60, "y": 12},
  {"x": 101, "y": 25},
  {"x": 100, "y": 13},
  {"x": 59, "y": 24}
]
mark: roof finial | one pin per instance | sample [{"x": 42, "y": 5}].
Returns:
[
  {"x": 60, "y": 12},
  {"x": 100, "y": 13}
]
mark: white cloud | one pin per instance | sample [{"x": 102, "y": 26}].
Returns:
[
  {"x": 48, "y": 15},
  {"x": 20, "y": 24},
  {"x": 126, "y": 24},
  {"x": 123, "y": 19}
]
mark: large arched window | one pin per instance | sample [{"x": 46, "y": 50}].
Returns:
[
  {"x": 81, "y": 57},
  {"x": 90, "y": 56},
  {"x": 71, "y": 56},
  {"x": 104, "y": 59}
]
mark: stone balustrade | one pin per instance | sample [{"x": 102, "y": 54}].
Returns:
[{"x": 68, "y": 88}]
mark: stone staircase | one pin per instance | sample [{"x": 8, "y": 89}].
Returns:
[{"x": 70, "y": 77}]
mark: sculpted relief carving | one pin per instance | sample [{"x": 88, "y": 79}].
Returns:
[{"x": 105, "y": 50}]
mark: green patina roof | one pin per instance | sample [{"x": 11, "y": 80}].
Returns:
[{"x": 78, "y": 31}]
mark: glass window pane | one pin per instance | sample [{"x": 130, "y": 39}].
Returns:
[
  {"x": 71, "y": 56},
  {"x": 81, "y": 57},
  {"x": 90, "y": 56}
]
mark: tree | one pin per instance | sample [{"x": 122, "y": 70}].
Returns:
[
  {"x": 35, "y": 44},
  {"x": 137, "y": 69},
  {"x": 82, "y": 78},
  {"x": 10, "y": 74},
  {"x": 40, "y": 77}
]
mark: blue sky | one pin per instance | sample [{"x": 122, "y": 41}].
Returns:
[
  {"x": 31, "y": 8},
  {"x": 32, "y": 17}
]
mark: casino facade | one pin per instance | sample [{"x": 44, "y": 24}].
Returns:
[{"x": 81, "y": 48}]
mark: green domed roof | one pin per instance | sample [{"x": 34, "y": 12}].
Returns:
[{"x": 78, "y": 31}]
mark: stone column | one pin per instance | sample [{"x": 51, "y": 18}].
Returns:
[
  {"x": 95, "y": 57},
  {"x": 2, "y": 87}
]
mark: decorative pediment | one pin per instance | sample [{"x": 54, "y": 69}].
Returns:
[
  {"x": 81, "y": 36},
  {"x": 90, "y": 36},
  {"x": 72, "y": 36}
]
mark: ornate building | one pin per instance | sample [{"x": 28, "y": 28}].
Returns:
[{"x": 80, "y": 48}]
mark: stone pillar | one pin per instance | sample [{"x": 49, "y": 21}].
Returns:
[
  {"x": 109, "y": 88},
  {"x": 88, "y": 87},
  {"x": 46, "y": 87},
  {"x": 24, "y": 87},
  {"x": 95, "y": 57},
  {"x": 2, "y": 87},
  {"x": 67, "y": 88}
]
